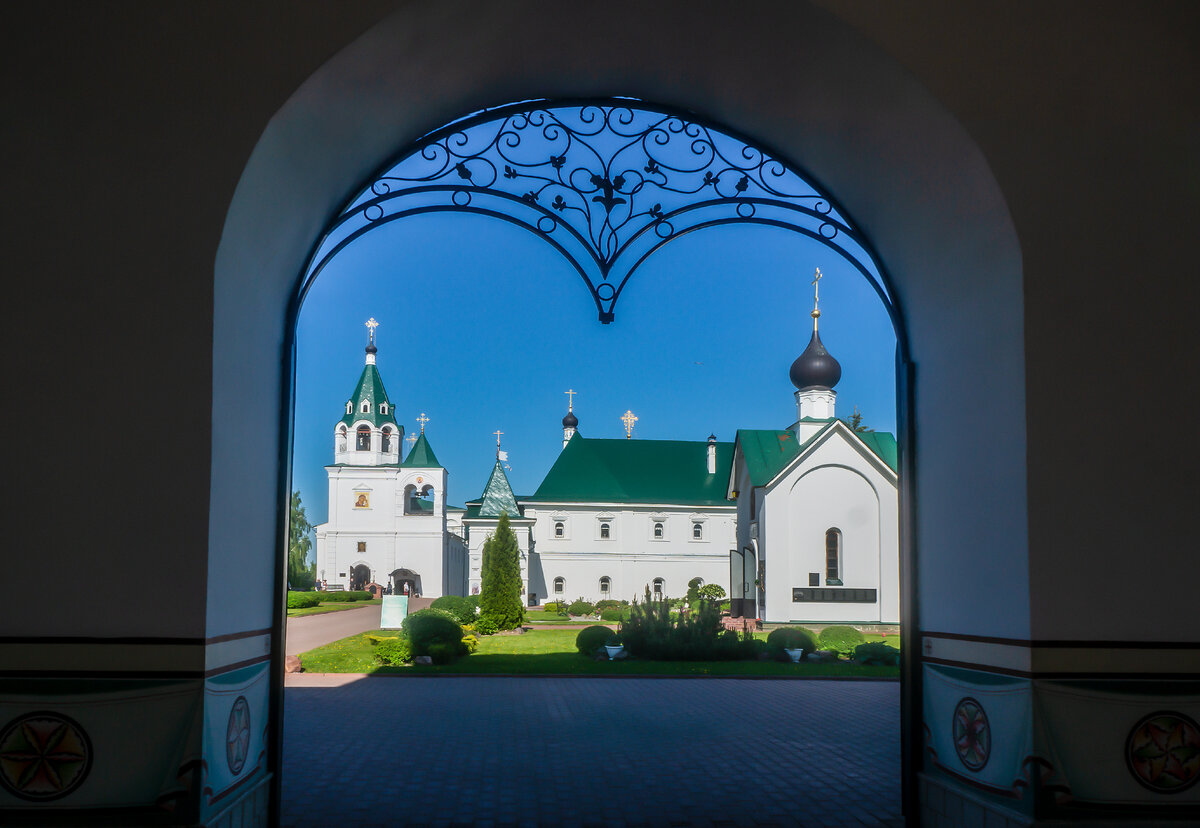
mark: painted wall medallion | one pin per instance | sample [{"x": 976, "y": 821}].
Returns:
[
  {"x": 237, "y": 736},
  {"x": 43, "y": 756},
  {"x": 972, "y": 734},
  {"x": 1163, "y": 752}
]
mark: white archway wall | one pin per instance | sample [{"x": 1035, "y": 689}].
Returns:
[{"x": 811, "y": 88}]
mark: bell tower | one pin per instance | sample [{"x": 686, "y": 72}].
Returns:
[
  {"x": 814, "y": 373},
  {"x": 368, "y": 434}
]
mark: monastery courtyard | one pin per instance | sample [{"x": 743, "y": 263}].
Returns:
[{"x": 581, "y": 752}]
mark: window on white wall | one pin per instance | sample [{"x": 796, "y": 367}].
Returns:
[
  {"x": 605, "y": 531},
  {"x": 658, "y": 589},
  {"x": 658, "y": 531},
  {"x": 833, "y": 557},
  {"x": 559, "y": 529},
  {"x": 387, "y": 439},
  {"x": 559, "y": 583},
  {"x": 697, "y": 531},
  {"x": 605, "y": 585}
]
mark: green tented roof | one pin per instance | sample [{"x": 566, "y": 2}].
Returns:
[
  {"x": 636, "y": 471},
  {"x": 497, "y": 497},
  {"x": 370, "y": 388},
  {"x": 767, "y": 452},
  {"x": 421, "y": 455}
]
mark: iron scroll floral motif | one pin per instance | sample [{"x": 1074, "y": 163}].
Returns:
[
  {"x": 605, "y": 183},
  {"x": 1163, "y": 752},
  {"x": 972, "y": 734},
  {"x": 44, "y": 756}
]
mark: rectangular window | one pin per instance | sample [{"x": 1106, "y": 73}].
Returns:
[
  {"x": 814, "y": 579},
  {"x": 833, "y": 555},
  {"x": 834, "y": 595}
]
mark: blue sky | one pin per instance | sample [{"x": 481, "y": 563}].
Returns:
[{"x": 483, "y": 327}]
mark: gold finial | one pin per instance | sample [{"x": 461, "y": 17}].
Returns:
[
  {"x": 422, "y": 420},
  {"x": 628, "y": 419},
  {"x": 816, "y": 311},
  {"x": 570, "y": 399},
  {"x": 371, "y": 326}
]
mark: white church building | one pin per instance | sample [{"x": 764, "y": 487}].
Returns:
[{"x": 797, "y": 525}]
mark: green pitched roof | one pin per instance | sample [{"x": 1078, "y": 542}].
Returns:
[
  {"x": 497, "y": 497},
  {"x": 369, "y": 389},
  {"x": 421, "y": 455},
  {"x": 767, "y": 451},
  {"x": 636, "y": 471}
]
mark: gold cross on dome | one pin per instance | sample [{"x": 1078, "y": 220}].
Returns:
[
  {"x": 570, "y": 399},
  {"x": 412, "y": 438},
  {"x": 628, "y": 419},
  {"x": 422, "y": 420},
  {"x": 816, "y": 312},
  {"x": 371, "y": 326},
  {"x": 497, "y": 433}
]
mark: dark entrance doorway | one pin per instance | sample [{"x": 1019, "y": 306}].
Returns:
[
  {"x": 405, "y": 582},
  {"x": 360, "y": 576}
]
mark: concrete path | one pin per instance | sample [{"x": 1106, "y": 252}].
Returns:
[
  {"x": 308, "y": 631},
  {"x": 583, "y": 753}
]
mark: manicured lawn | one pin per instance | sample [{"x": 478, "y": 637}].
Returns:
[
  {"x": 336, "y": 606},
  {"x": 552, "y": 652}
]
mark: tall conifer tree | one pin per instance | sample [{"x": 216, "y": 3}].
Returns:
[{"x": 500, "y": 579}]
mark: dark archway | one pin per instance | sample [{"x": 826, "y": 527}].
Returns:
[{"x": 360, "y": 576}]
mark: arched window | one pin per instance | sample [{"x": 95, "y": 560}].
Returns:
[
  {"x": 366, "y": 407},
  {"x": 833, "y": 557},
  {"x": 697, "y": 531},
  {"x": 349, "y": 407},
  {"x": 604, "y": 531},
  {"x": 658, "y": 589},
  {"x": 559, "y": 583},
  {"x": 605, "y": 585},
  {"x": 658, "y": 531},
  {"x": 383, "y": 408},
  {"x": 387, "y": 439},
  {"x": 559, "y": 529},
  {"x": 364, "y": 438}
]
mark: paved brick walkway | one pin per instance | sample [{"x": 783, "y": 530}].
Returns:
[{"x": 578, "y": 752}]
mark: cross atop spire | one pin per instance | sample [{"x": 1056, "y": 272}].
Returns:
[
  {"x": 371, "y": 326},
  {"x": 412, "y": 438},
  {"x": 570, "y": 399},
  {"x": 628, "y": 419},
  {"x": 816, "y": 311},
  {"x": 497, "y": 433},
  {"x": 422, "y": 420}
]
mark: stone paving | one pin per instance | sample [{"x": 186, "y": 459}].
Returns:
[{"x": 584, "y": 752}]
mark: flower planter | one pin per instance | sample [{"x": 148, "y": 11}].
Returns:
[
  {"x": 613, "y": 650},
  {"x": 796, "y": 654}
]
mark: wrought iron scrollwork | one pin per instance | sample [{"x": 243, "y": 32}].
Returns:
[{"x": 605, "y": 183}]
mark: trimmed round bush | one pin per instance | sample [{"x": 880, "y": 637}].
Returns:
[
  {"x": 470, "y": 644},
  {"x": 606, "y": 603},
  {"x": 394, "y": 651},
  {"x": 593, "y": 638},
  {"x": 303, "y": 600},
  {"x": 840, "y": 639},
  {"x": 877, "y": 652},
  {"x": 486, "y": 626},
  {"x": 789, "y": 638},
  {"x": 432, "y": 626},
  {"x": 460, "y": 606},
  {"x": 406, "y": 624},
  {"x": 582, "y": 607},
  {"x": 441, "y": 652}
]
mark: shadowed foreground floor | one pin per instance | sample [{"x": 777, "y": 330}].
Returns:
[{"x": 450, "y": 751}]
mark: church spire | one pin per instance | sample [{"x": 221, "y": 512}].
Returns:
[
  {"x": 570, "y": 422},
  {"x": 815, "y": 372},
  {"x": 368, "y": 434}
]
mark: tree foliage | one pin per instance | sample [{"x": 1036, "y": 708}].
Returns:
[
  {"x": 301, "y": 575},
  {"x": 855, "y": 422},
  {"x": 500, "y": 579}
]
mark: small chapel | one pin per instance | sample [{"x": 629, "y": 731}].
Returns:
[{"x": 798, "y": 524}]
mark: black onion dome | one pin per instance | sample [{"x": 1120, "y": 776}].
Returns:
[
  {"x": 816, "y": 367},
  {"x": 570, "y": 421},
  {"x": 371, "y": 349}
]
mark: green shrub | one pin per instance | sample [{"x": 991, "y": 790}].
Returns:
[
  {"x": 470, "y": 644},
  {"x": 442, "y": 652},
  {"x": 303, "y": 600},
  {"x": 582, "y": 607},
  {"x": 432, "y": 626},
  {"x": 693, "y": 590},
  {"x": 617, "y": 613},
  {"x": 486, "y": 626},
  {"x": 841, "y": 639},
  {"x": 712, "y": 592},
  {"x": 376, "y": 638},
  {"x": 606, "y": 603},
  {"x": 789, "y": 638},
  {"x": 460, "y": 606},
  {"x": 394, "y": 651},
  {"x": 593, "y": 638},
  {"x": 552, "y": 606},
  {"x": 406, "y": 624},
  {"x": 339, "y": 596},
  {"x": 877, "y": 652},
  {"x": 653, "y": 631}
]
